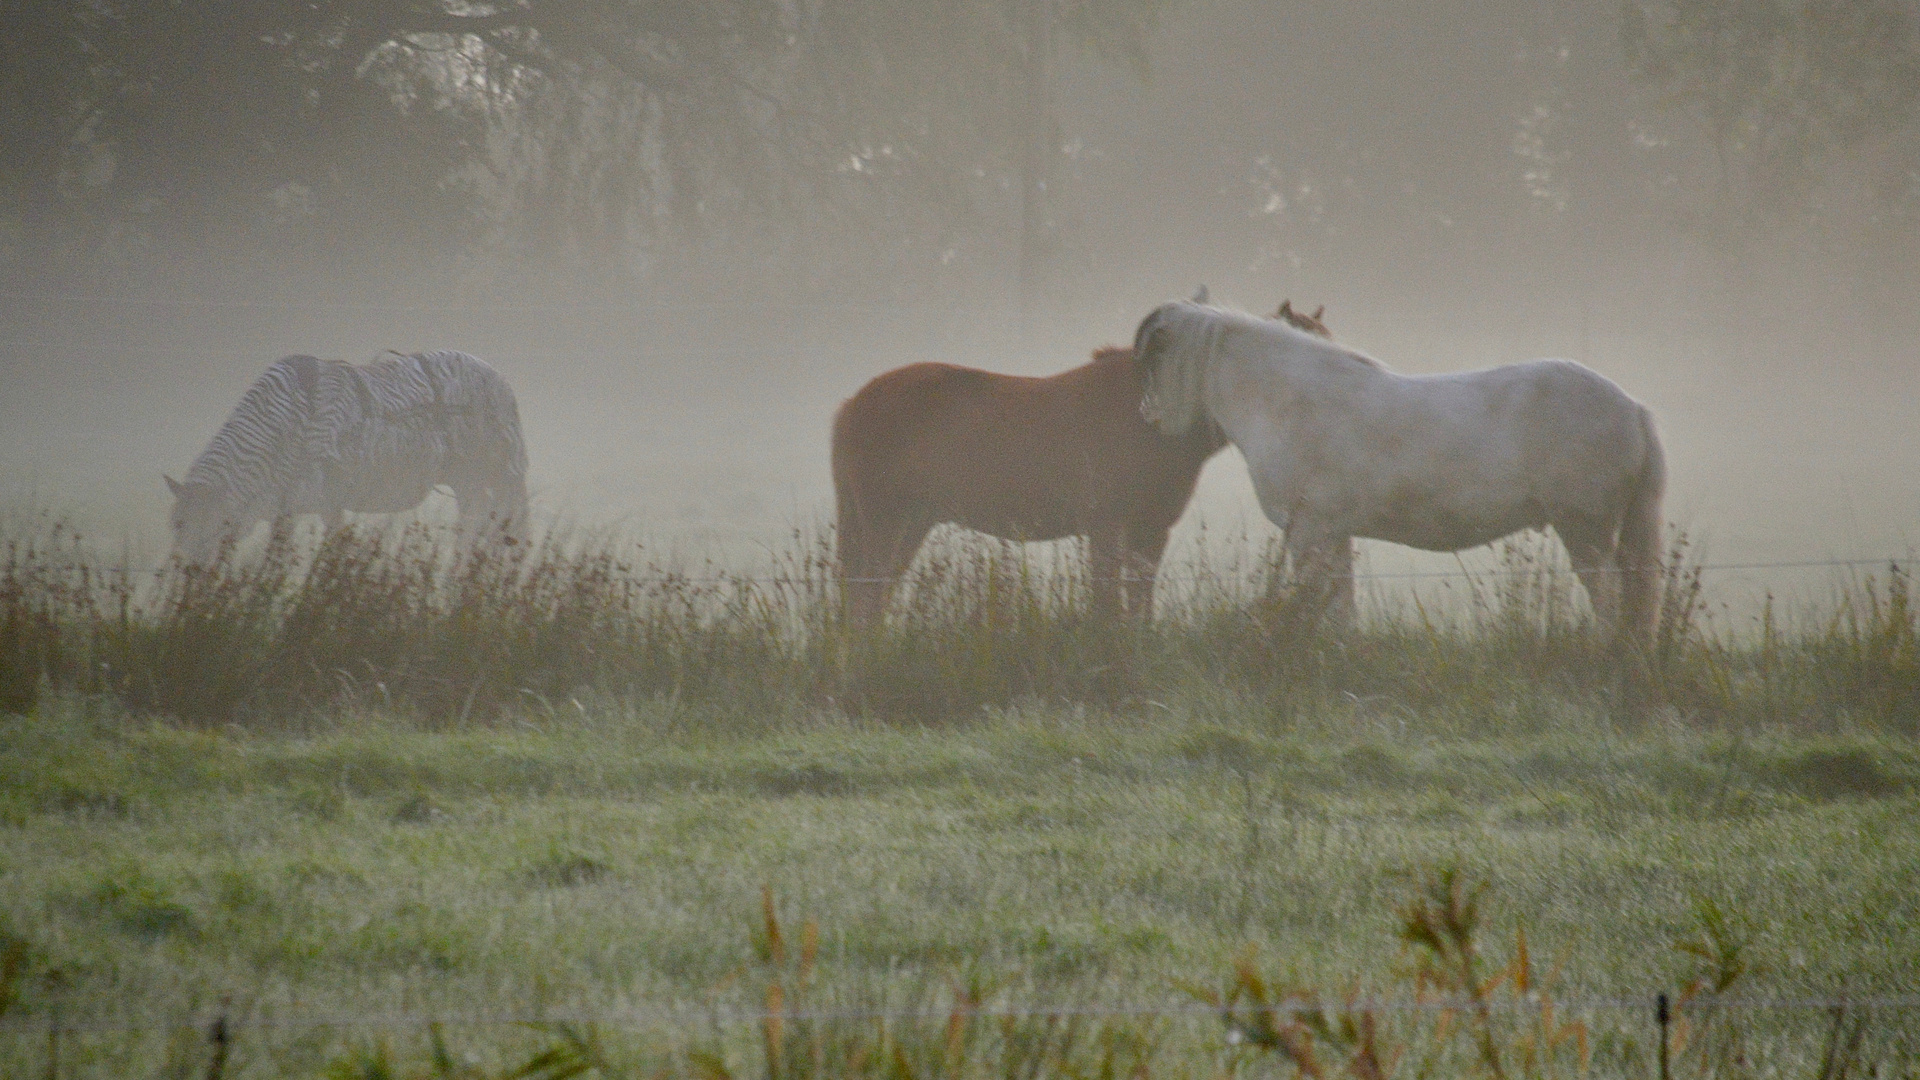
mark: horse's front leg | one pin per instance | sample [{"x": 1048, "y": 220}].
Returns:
[
  {"x": 280, "y": 531},
  {"x": 1322, "y": 581},
  {"x": 1106, "y": 565},
  {"x": 1140, "y": 573},
  {"x": 1342, "y": 609},
  {"x": 1140, "y": 554}
]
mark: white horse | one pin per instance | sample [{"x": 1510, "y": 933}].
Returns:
[{"x": 1340, "y": 447}]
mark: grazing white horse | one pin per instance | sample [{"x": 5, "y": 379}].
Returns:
[{"x": 1340, "y": 447}]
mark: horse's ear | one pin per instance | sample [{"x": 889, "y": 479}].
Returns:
[
  {"x": 173, "y": 485},
  {"x": 1201, "y": 296},
  {"x": 1286, "y": 310}
]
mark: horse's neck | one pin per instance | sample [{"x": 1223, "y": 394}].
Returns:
[
  {"x": 1321, "y": 374},
  {"x": 1279, "y": 399}
]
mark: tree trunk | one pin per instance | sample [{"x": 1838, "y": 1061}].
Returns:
[{"x": 1036, "y": 155}]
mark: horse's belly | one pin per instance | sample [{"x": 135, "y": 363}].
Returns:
[
  {"x": 387, "y": 503},
  {"x": 373, "y": 491},
  {"x": 1020, "y": 527},
  {"x": 1441, "y": 536},
  {"x": 1447, "y": 525},
  {"x": 1022, "y": 507}
]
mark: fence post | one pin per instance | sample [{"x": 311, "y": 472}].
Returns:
[
  {"x": 56, "y": 982},
  {"x": 53, "y": 1042},
  {"x": 217, "y": 1068},
  {"x": 1662, "y": 1014}
]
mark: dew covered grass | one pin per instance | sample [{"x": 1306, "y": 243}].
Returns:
[
  {"x": 392, "y": 812},
  {"x": 370, "y": 876}
]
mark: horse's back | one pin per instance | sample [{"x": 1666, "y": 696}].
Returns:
[
  {"x": 1540, "y": 402},
  {"x": 265, "y": 428},
  {"x": 1453, "y": 460},
  {"x": 407, "y": 422},
  {"x": 950, "y": 409},
  {"x": 1007, "y": 454},
  {"x": 897, "y": 408},
  {"x": 1579, "y": 418},
  {"x": 898, "y": 398}
]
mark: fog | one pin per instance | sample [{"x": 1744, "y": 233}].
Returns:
[{"x": 1462, "y": 185}]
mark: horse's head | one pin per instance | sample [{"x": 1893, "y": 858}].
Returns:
[
  {"x": 1149, "y": 340},
  {"x": 1169, "y": 377},
  {"x": 1144, "y": 337},
  {"x": 202, "y": 525},
  {"x": 1312, "y": 324}
]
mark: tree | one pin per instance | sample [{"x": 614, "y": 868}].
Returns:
[
  {"x": 570, "y": 130},
  {"x": 1782, "y": 88}
]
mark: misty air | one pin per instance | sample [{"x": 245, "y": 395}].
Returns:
[{"x": 1043, "y": 538}]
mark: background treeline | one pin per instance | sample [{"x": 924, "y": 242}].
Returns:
[
  {"x": 615, "y": 140},
  {"x": 886, "y": 148}
]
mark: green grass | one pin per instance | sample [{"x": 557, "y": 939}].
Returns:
[
  {"x": 338, "y": 796},
  {"x": 613, "y": 862}
]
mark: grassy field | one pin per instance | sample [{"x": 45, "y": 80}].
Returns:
[
  {"x": 367, "y": 878},
  {"x": 1036, "y": 844}
]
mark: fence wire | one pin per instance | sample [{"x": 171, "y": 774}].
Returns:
[
  {"x": 667, "y": 1014},
  {"x": 667, "y": 577}
]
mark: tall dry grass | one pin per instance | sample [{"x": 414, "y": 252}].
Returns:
[{"x": 399, "y": 620}]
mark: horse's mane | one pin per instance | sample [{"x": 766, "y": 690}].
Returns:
[
  {"x": 1176, "y": 391},
  {"x": 1314, "y": 324},
  {"x": 1177, "y": 385}
]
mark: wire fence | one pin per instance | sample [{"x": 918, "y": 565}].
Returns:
[
  {"x": 1893, "y": 562},
  {"x": 1169, "y": 576},
  {"x": 1281, "y": 1026},
  {"x": 672, "y": 1014}
]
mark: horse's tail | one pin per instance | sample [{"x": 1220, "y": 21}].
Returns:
[
  {"x": 1637, "y": 553},
  {"x": 847, "y": 511}
]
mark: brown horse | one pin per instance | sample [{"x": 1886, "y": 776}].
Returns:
[{"x": 1015, "y": 457}]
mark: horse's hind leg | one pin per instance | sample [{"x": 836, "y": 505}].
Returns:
[
  {"x": 871, "y": 562},
  {"x": 1590, "y": 550}
]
